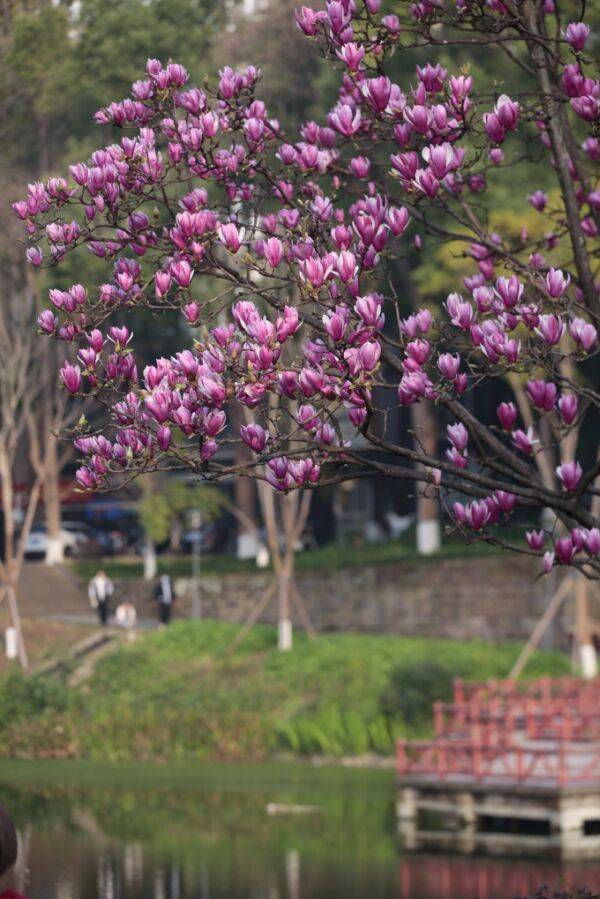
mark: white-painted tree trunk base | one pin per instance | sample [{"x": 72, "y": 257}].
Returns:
[
  {"x": 588, "y": 660},
  {"x": 55, "y": 551},
  {"x": 263, "y": 556},
  {"x": 247, "y": 546},
  {"x": 284, "y": 635},
  {"x": 548, "y": 519},
  {"x": 150, "y": 562},
  {"x": 11, "y": 642},
  {"x": 429, "y": 537},
  {"x": 292, "y": 873}
]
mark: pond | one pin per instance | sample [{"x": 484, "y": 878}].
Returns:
[{"x": 241, "y": 832}]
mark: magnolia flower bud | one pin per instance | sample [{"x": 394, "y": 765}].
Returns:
[{"x": 71, "y": 377}]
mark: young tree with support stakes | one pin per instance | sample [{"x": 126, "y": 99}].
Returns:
[
  {"x": 33, "y": 412},
  {"x": 302, "y": 231}
]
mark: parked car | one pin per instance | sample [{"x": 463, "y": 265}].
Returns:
[
  {"x": 36, "y": 544},
  {"x": 78, "y": 539}
]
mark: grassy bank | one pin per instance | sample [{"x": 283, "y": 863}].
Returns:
[
  {"x": 296, "y": 779},
  {"x": 45, "y": 640},
  {"x": 179, "y": 694}
]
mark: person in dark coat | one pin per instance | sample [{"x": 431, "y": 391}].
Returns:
[
  {"x": 165, "y": 596},
  {"x": 8, "y": 851}
]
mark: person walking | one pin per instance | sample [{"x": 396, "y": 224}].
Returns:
[
  {"x": 100, "y": 589},
  {"x": 8, "y": 851},
  {"x": 165, "y": 596}
]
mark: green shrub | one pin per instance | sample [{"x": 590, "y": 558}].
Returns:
[
  {"x": 27, "y": 697},
  {"x": 411, "y": 690}
]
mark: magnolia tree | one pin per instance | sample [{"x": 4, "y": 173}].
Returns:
[{"x": 300, "y": 234}]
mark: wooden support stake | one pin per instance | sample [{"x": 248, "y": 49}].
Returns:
[
  {"x": 303, "y": 612},
  {"x": 253, "y": 617},
  {"x": 536, "y": 635}
]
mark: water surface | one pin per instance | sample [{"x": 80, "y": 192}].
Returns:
[{"x": 209, "y": 832}]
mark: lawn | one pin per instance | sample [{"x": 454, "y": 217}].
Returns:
[
  {"x": 327, "y": 558},
  {"x": 180, "y": 694}
]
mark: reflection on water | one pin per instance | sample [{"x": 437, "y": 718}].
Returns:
[{"x": 200, "y": 843}]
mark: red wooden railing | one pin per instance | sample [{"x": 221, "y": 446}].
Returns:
[
  {"x": 544, "y": 688},
  {"x": 509, "y": 731},
  {"x": 553, "y": 719},
  {"x": 446, "y": 758}
]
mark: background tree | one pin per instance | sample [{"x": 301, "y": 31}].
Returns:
[{"x": 163, "y": 510}]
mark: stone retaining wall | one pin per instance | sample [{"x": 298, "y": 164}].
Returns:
[{"x": 492, "y": 597}]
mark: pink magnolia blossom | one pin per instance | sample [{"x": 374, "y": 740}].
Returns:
[
  {"x": 556, "y": 283},
  {"x": 477, "y": 514},
  {"x": 543, "y": 394},
  {"x": 352, "y": 54},
  {"x": 192, "y": 312},
  {"x": 398, "y": 219},
  {"x": 505, "y": 501},
  {"x": 535, "y": 540},
  {"x": 524, "y": 440},
  {"x": 592, "y": 541},
  {"x": 564, "y": 550},
  {"x": 570, "y": 474},
  {"x": 369, "y": 309},
  {"x": 507, "y": 111},
  {"x": 230, "y": 236},
  {"x": 164, "y": 437},
  {"x": 538, "y": 200},
  {"x": 458, "y": 435},
  {"x": 254, "y": 436},
  {"x": 510, "y": 290},
  {"x": 47, "y": 321},
  {"x": 449, "y": 365},
  {"x": 550, "y": 329},
  {"x": 182, "y": 273},
  {"x": 507, "y": 415},
  {"x": 71, "y": 377},
  {"x": 577, "y": 34},
  {"x": 583, "y": 333},
  {"x": 273, "y": 251},
  {"x": 568, "y": 406}
]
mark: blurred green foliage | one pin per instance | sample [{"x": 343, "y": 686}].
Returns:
[{"x": 159, "y": 510}]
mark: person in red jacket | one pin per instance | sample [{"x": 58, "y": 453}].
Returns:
[{"x": 8, "y": 851}]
